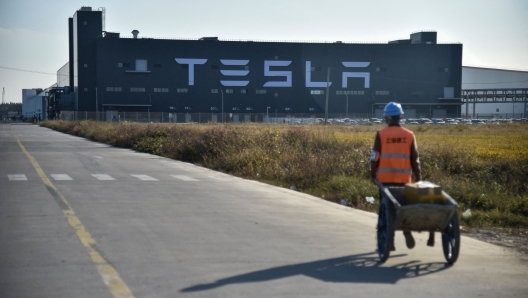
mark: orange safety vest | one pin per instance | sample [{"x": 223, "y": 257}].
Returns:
[{"x": 395, "y": 155}]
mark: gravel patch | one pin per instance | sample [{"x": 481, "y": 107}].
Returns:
[{"x": 516, "y": 239}]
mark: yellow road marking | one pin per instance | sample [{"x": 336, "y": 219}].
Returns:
[{"x": 111, "y": 278}]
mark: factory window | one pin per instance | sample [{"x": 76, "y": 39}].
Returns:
[
  {"x": 382, "y": 93},
  {"x": 182, "y": 90},
  {"x": 417, "y": 92},
  {"x": 113, "y": 89},
  {"x": 214, "y": 66},
  {"x": 137, "y": 89},
  {"x": 141, "y": 65},
  {"x": 244, "y": 91},
  {"x": 164, "y": 90},
  {"x": 229, "y": 90},
  {"x": 318, "y": 92},
  {"x": 260, "y": 91},
  {"x": 214, "y": 90}
]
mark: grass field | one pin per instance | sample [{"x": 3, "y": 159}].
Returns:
[{"x": 484, "y": 167}]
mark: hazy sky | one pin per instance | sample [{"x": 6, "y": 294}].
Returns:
[{"x": 34, "y": 34}]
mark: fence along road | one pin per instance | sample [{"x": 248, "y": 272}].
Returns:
[{"x": 163, "y": 228}]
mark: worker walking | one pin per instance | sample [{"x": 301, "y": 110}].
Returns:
[{"x": 395, "y": 158}]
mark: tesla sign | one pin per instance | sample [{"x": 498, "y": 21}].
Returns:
[{"x": 230, "y": 75}]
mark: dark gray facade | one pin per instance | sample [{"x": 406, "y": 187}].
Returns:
[{"x": 160, "y": 75}]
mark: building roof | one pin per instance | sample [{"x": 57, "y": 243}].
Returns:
[{"x": 492, "y": 68}]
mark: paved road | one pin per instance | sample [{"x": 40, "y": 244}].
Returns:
[{"x": 83, "y": 219}]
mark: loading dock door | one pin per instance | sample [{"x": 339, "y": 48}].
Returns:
[
  {"x": 449, "y": 92},
  {"x": 409, "y": 113},
  {"x": 439, "y": 113},
  {"x": 111, "y": 115}
]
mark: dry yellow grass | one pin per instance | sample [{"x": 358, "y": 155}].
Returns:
[{"x": 483, "y": 167}]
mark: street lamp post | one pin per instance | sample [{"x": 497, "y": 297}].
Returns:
[
  {"x": 346, "y": 113},
  {"x": 222, "y": 105},
  {"x": 267, "y": 114},
  {"x": 327, "y": 87},
  {"x": 96, "y": 106}
]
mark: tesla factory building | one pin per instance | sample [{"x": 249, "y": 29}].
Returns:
[{"x": 208, "y": 75}]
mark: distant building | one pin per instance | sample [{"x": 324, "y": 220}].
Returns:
[
  {"x": 500, "y": 93},
  {"x": 34, "y": 103},
  {"x": 109, "y": 72}
]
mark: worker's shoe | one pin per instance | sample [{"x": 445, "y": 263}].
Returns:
[
  {"x": 431, "y": 240},
  {"x": 409, "y": 240}
]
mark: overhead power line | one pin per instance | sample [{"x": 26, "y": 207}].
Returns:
[
  {"x": 374, "y": 76},
  {"x": 25, "y": 70}
]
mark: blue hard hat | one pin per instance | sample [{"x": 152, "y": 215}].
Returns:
[{"x": 392, "y": 109}]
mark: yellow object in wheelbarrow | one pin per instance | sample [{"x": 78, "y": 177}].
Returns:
[{"x": 423, "y": 192}]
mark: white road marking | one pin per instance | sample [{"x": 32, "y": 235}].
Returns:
[
  {"x": 103, "y": 177},
  {"x": 100, "y": 157},
  {"x": 144, "y": 177},
  {"x": 17, "y": 177},
  {"x": 184, "y": 178},
  {"x": 60, "y": 177}
]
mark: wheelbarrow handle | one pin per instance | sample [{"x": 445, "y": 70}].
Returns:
[{"x": 387, "y": 193}]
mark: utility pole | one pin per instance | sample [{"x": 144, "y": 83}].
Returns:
[{"x": 327, "y": 89}]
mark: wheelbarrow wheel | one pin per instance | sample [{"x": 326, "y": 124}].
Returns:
[
  {"x": 384, "y": 230},
  {"x": 451, "y": 239}
]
